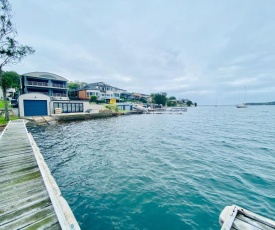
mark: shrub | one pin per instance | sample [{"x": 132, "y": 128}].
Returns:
[{"x": 93, "y": 99}]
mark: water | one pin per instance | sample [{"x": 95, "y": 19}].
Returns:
[{"x": 164, "y": 171}]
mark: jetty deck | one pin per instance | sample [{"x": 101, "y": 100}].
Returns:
[{"x": 30, "y": 198}]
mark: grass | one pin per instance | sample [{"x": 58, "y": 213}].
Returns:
[
  {"x": 3, "y": 122},
  {"x": 2, "y": 106},
  {"x": 2, "y": 119}
]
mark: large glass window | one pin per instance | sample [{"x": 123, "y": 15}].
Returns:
[
  {"x": 73, "y": 107},
  {"x": 80, "y": 107},
  {"x": 65, "y": 108},
  {"x": 77, "y": 107},
  {"x": 69, "y": 107}
]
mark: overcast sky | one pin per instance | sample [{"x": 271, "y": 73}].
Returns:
[{"x": 202, "y": 50}]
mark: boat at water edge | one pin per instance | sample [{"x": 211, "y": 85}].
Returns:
[
  {"x": 242, "y": 105},
  {"x": 237, "y": 218}
]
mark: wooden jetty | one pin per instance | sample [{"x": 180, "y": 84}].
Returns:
[{"x": 29, "y": 195}]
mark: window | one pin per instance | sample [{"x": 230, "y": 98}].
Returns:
[
  {"x": 65, "y": 108},
  {"x": 73, "y": 107},
  {"x": 69, "y": 107}
]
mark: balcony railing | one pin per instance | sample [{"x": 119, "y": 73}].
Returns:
[
  {"x": 36, "y": 83},
  {"x": 45, "y": 93},
  {"x": 59, "y": 95},
  {"x": 58, "y": 85},
  {"x": 45, "y": 84}
]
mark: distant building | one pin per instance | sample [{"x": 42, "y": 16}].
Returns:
[{"x": 101, "y": 90}]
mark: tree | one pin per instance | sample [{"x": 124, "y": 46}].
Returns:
[
  {"x": 93, "y": 99},
  {"x": 159, "y": 98},
  {"x": 8, "y": 79},
  {"x": 11, "y": 52},
  {"x": 143, "y": 100},
  {"x": 172, "y": 101},
  {"x": 72, "y": 85},
  {"x": 189, "y": 103}
]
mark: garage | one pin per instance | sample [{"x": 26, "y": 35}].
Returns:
[
  {"x": 33, "y": 104},
  {"x": 35, "y": 108}
]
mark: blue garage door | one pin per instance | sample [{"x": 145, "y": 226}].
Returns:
[{"x": 35, "y": 108}]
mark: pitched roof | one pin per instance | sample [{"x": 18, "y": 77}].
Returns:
[
  {"x": 100, "y": 84},
  {"x": 89, "y": 86},
  {"x": 45, "y": 75}
]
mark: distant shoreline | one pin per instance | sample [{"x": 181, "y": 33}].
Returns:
[{"x": 250, "y": 104}]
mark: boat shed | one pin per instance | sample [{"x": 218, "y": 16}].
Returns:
[
  {"x": 125, "y": 106},
  {"x": 34, "y": 104}
]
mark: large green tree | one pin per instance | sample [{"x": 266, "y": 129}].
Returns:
[
  {"x": 159, "y": 98},
  {"x": 11, "y": 52}
]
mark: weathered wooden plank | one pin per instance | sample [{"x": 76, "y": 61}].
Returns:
[
  {"x": 24, "y": 200},
  {"x": 21, "y": 188},
  {"x": 29, "y": 219}
]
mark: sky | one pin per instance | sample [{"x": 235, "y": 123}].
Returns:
[{"x": 214, "y": 51}]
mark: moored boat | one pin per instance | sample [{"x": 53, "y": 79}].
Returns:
[
  {"x": 243, "y": 105},
  {"x": 237, "y": 218}
]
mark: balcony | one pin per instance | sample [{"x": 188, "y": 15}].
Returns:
[
  {"x": 45, "y": 93},
  {"x": 36, "y": 83},
  {"x": 59, "y": 95},
  {"x": 45, "y": 84},
  {"x": 58, "y": 85}
]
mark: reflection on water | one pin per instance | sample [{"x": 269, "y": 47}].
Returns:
[{"x": 164, "y": 171}]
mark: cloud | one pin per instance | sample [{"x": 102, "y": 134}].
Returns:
[{"x": 181, "y": 47}]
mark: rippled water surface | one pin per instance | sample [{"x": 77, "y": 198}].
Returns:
[{"x": 164, "y": 171}]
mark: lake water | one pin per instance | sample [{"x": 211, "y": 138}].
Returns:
[{"x": 164, "y": 171}]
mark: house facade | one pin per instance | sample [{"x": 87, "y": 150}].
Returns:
[
  {"x": 42, "y": 93},
  {"x": 45, "y": 83},
  {"x": 101, "y": 90}
]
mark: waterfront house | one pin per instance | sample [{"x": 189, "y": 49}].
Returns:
[
  {"x": 42, "y": 93},
  {"x": 101, "y": 90},
  {"x": 45, "y": 83}
]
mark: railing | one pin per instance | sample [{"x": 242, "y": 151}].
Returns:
[
  {"x": 59, "y": 95},
  {"x": 58, "y": 85},
  {"x": 45, "y": 93},
  {"x": 36, "y": 83}
]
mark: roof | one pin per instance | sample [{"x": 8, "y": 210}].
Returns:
[
  {"x": 89, "y": 86},
  {"x": 45, "y": 75},
  {"x": 100, "y": 84}
]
